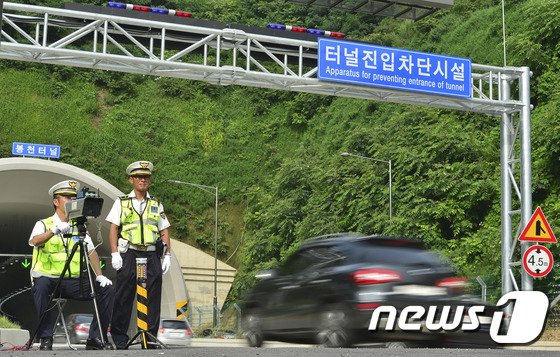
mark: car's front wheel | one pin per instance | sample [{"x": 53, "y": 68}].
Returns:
[
  {"x": 398, "y": 344},
  {"x": 332, "y": 331}
]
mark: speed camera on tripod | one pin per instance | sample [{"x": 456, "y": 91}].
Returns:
[{"x": 87, "y": 204}]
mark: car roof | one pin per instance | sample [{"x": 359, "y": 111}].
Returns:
[
  {"x": 172, "y": 319},
  {"x": 380, "y": 240},
  {"x": 78, "y": 314}
]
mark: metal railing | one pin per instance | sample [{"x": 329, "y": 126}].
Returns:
[{"x": 228, "y": 321}]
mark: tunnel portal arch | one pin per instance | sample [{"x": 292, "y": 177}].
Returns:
[{"x": 24, "y": 183}]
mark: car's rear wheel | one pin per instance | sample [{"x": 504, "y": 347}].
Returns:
[
  {"x": 253, "y": 331},
  {"x": 398, "y": 344},
  {"x": 332, "y": 330}
]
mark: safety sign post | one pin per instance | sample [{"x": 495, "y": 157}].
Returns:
[
  {"x": 538, "y": 261},
  {"x": 538, "y": 229},
  {"x": 182, "y": 309}
]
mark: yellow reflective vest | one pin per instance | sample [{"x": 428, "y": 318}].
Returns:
[
  {"x": 140, "y": 228},
  {"x": 49, "y": 259}
]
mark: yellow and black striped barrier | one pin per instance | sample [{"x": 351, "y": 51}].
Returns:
[
  {"x": 142, "y": 308},
  {"x": 142, "y": 299}
]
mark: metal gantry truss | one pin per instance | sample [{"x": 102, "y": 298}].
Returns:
[{"x": 230, "y": 56}]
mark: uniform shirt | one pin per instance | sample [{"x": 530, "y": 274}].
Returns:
[
  {"x": 40, "y": 228},
  {"x": 114, "y": 215}
]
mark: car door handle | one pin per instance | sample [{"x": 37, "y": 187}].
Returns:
[
  {"x": 320, "y": 281},
  {"x": 288, "y": 287}
]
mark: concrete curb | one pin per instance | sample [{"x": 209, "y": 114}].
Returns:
[{"x": 10, "y": 337}]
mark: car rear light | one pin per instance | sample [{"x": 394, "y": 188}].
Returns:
[
  {"x": 453, "y": 283},
  {"x": 375, "y": 276},
  {"x": 367, "y": 306},
  {"x": 161, "y": 330},
  {"x": 81, "y": 327},
  {"x": 189, "y": 332}
]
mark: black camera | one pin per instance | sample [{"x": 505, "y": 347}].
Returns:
[{"x": 87, "y": 204}]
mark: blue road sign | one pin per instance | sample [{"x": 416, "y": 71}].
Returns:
[
  {"x": 378, "y": 66},
  {"x": 37, "y": 150}
]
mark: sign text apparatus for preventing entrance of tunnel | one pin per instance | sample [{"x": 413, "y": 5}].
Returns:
[{"x": 393, "y": 68}]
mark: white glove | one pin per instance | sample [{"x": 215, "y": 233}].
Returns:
[
  {"x": 103, "y": 281},
  {"x": 62, "y": 227},
  {"x": 166, "y": 263},
  {"x": 116, "y": 260}
]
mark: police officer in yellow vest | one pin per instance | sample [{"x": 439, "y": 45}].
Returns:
[
  {"x": 51, "y": 249},
  {"x": 139, "y": 229}
]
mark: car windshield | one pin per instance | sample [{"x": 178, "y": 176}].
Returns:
[{"x": 174, "y": 324}]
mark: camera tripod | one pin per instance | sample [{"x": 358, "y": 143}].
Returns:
[{"x": 84, "y": 264}]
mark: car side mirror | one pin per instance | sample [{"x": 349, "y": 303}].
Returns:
[{"x": 266, "y": 274}]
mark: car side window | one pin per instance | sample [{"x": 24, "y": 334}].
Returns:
[
  {"x": 327, "y": 257},
  {"x": 296, "y": 263},
  {"x": 312, "y": 258}
]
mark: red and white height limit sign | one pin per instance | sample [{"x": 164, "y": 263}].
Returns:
[{"x": 537, "y": 259}]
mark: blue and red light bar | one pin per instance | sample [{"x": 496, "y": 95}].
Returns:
[
  {"x": 286, "y": 28},
  {"x": 154, "y": 10},
  {"x": 303, "y": 29}
]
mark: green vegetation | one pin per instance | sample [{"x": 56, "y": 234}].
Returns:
[
  {"x": 275, "y": 155},
  {"x": 6, "y": 323}
]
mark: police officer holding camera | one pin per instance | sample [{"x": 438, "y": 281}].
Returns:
[
  {"x": 52, "y": 240},
  {"x": 139, "y": 229}
]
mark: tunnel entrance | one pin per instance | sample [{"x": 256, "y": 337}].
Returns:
[{"x": 25, "y": 183}]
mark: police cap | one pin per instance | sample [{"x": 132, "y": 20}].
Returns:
[
  {"x": 139, "y": 168},
  {"x": 65, "y": 188}
]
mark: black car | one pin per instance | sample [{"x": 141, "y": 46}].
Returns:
[{"x": 326, "y": 292}]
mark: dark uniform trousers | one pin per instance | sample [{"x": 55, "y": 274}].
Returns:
[
  {"x": 126, "y": 292},
  {"x": 43, "y": 287}
]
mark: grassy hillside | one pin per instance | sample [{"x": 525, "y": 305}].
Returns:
[
  {"x": 275, "y": 156},
  {"x": 6, "y": 323}
]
